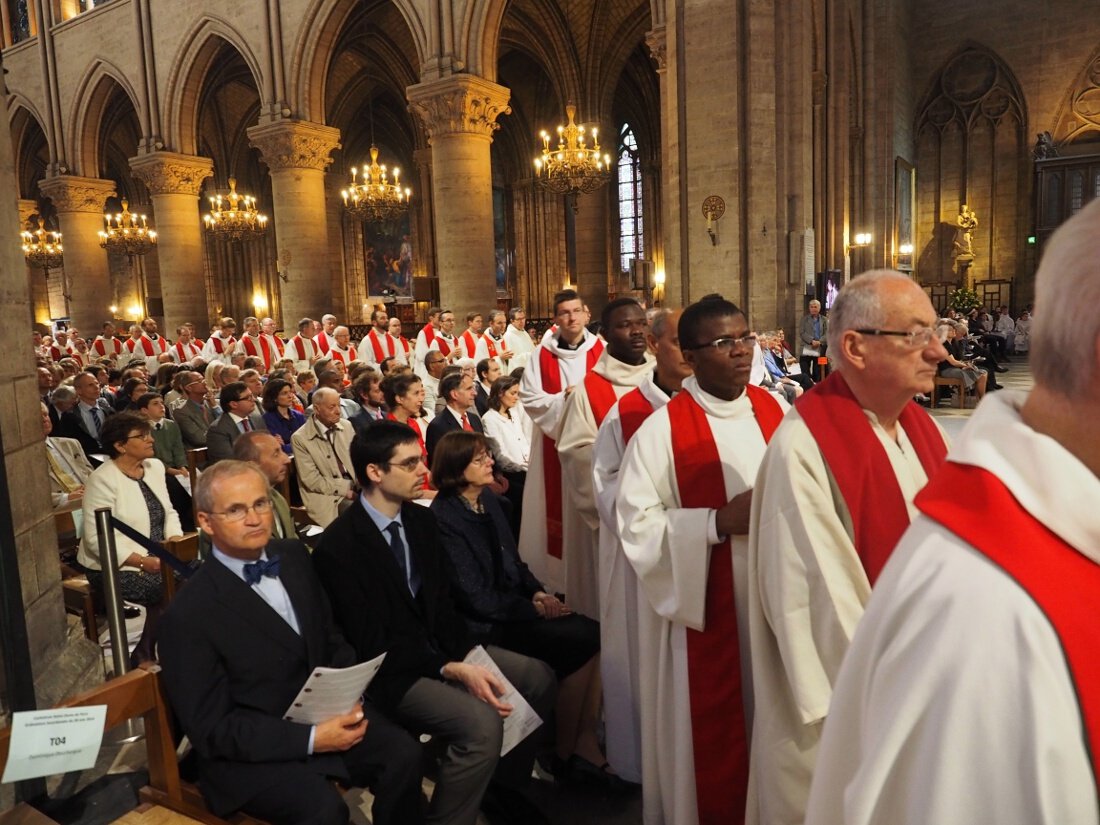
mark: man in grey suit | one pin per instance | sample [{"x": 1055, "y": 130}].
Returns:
[
  {"x": 238, "y": 416},
  {"x": 811, "y": 332},
  {"x": 69, "y": 467},
  {"x": 195, "y": 415}
]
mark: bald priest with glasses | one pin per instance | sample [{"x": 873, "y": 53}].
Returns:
[{"x": 833, "y": 496}]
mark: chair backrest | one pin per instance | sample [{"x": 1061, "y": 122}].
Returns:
[
  {"x": 196, "y": 460},
  {"x": 186, "y": 549}
]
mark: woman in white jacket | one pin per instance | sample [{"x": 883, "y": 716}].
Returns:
[
  {"x": 132, "y": 485},
  {"x": 506, "y": 427}
]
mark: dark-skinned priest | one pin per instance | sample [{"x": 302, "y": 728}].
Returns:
[
  {"x": 834, "y": 495},
  {"x": 624, "y": 364},
  {"x": 682, "y": 509}
]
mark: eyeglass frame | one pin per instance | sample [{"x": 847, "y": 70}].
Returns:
[
  {"x": 928, "y": 333},
  {"x": 261, "y": 507},
  {"x": 409, "y": 465},
  {"x": 745, "y": 341}
]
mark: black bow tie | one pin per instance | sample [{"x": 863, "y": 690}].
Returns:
[{"x": 256, "y": 570}]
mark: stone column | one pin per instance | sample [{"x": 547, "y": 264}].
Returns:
[
  {"x": 39, "y": 288},
  {"x": 459, "y": 114},
  {"x": 423, "y": 228},
  {"x": 296, "y": 153},
  {"x": 80, "y": 203},
  {"x": 62, "y": 661},
  {"x": 174, "y": 182},
  {"x": 591, "y": 240}
]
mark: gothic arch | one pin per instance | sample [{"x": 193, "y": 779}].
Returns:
[
  {"x": 312, "y": 54},
  {"x": 1078, "y": 116},
  {"x": 973, "y": 84},
  {"x": 479, "y": 36},
  {"x": 189, "y": 70},
  {"x": 93, "y": 93},
  {"x": 26, "y": 126}
]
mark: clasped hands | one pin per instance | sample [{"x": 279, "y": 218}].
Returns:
[
  {"x": 733, "y": 517},
  {"x": 480, "y": 683}
]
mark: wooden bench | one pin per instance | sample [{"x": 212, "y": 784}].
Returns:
[
  {"x": 139, "y": 694},
  {"x": 941, "y": 381},
  {"x": 80, "y": 601}
]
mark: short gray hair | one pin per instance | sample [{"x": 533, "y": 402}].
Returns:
[
  {"x": 859, "y": 304},
  {"x": 64, "y": 393},
  {"x": 1067, "y": 293},
  {"x": 323, "y": 393},
  {"x": 658, "y": 320},
  {"x": 205, "y": 494}
]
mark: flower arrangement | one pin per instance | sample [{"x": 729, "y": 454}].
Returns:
[{"x": 963, "y": 300}]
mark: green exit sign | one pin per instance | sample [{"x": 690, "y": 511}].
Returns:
[{"x": 1031, "y": 239}]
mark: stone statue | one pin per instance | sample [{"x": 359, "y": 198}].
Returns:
[
  {"x": 1044, "y": 147},
  {"x": 967, "y": 222}
]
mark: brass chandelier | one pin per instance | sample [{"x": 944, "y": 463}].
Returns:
[
  {"x": 375, "y": 199},
  {"x": 127, "y": 234},
  {"x": 235, "y": 216},
  {"x": 573, "y": 167},
  {"x": 42, "y": 248}
]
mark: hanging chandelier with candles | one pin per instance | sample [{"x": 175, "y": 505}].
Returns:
[
  {"x": 572, "y": 167},
  {"x": 235, "y": 216},
  {"x": 127, "y": 234},
  {"x": 42, "y": 248},
  {"x": 374, "y": 198}
]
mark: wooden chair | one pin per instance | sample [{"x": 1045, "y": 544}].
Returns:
[
  {"x": 139, "y": 693},
  {"x": 196, "y": 460},
  {"x": 80, "y": 601},
  {"x": 67, "y": 539},
  {"x": 941, "y": 381},
  {"x": 186, "y": 549}
]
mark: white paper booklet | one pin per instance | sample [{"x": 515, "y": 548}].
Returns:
[
  {"x": 523, "y": 720},
  {"x": 331, "y": 691}
]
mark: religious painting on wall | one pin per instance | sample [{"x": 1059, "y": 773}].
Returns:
[
  {"x": 905, "y": 194},
  {"x": 388, "y": 257},
  {"x": 499, "y": 240}
]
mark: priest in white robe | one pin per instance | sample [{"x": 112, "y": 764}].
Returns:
[
  {"x": 682, "y": 511},
  {"x": 554, "y": 369},
  {"x": 221, "y": 343},
  {"x": 834, "y": 494},
  {"x": 492, "y": 343},
  {"x": 623, "y": 365},
  {"x": 424, "y": 340},
  {"x": 619, "y": 587},
  {"x": 517, "y": 340},
  {"x": 970, "y": 692}
]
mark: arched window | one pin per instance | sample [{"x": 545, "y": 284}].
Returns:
[{"x": 631, "y": 238}]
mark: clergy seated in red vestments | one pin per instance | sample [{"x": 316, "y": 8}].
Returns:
[
  {"x": 834, "y": 495},
  {"x": 971, "y": 690},
  {"x": 682, "y": 510}
]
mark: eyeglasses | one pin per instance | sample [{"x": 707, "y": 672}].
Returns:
[
  {"x": 727, "y": 344},
  {"x": 237, "y": 512},
  {"x": 917, "y": 338},
  {"x": 484, "y": 459},
  {"x": 148, "y": 436},
  {"x": 409, "y": 464}
]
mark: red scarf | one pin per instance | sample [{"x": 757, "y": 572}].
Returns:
[
  {"x": 442, "y": 344},
  {"x": 280, "y": 347},
  {"x": 249, "y": 344},
  {"x": 404, "y": 344},
  {"x": 376, "y": 345},
  {"x": 550, "y": 370},
  {"x": 321, "y": 342},
  {"x": 470, "y": 342},
  {"x": 634, "y": 408},
  {"x": 718, "y": 732},
  {"x": 862, "y": 470},
  {"x": 601, "y": 396},
  {"x": 1062, "y": 581}
]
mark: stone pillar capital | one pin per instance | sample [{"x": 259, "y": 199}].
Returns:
[
  {"x": 657, "y": 40},
  {"x": 71, "y": 193},
  {"x": 26, "y": 209},
  {"x": 170, "y": 173},
  {"x": 459, "y": 104},
  {"x": 295, "y": 144}
]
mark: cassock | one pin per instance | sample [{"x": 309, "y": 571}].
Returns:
[
  {"x": 521, "y": 345},
  {"x": 810, "y": 584},
  {"x": 302, "y": 350},
  {"x": 424, "y": 340},
  {"x": 585, "y": 409},
  {"x": 183, "y": 352},
  {"x": 619, "y": 587},
  {"x": 693, "y": 638},
  {"x": 148, "y": 348},
  {"x": 257, "y": 346},
  {"x": 107, "y": 348},
  {"x": 549, "y": 372},
  {"x": 961, "y": 697},
  {"x": 218, "y": 348}
]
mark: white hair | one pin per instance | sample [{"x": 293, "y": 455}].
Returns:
[
  {"x": 323, "y": 393},
  {"x": 859, "y": 304},
  {"x": 1066, "y": 321}
]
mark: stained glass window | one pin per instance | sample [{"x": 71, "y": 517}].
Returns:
[
  {"x": 631, "y": 238},
  {"x": 20, "y": 18}
]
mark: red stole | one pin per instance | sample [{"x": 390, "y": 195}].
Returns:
[
  {"x": 444, "y": 347},
  {"x": 55, "y": 353},
  {"x": 186, "y": 351},
  {"x": 321, "y": 342},
  {"x": 490, "y": 345},
  {"x": 429, "y": 335},
  {"x": 719, "y": 735},
  {"x": 1064, "y": 583},
  {"x": 861, "y": 468},
  {"x": 404, "y": 344},
  {"x": 264, "y": 350},
  {"x": 100, "y": 346},
  {"x": 347, "y": 358},
  {"x": 376, "y": 345},
  {"x": 550, "y": 370},
  {"x": 634, "y": 408},
  {"x": 280, "y": 347},
  {"x": 300, "y": 347},
  {"x": 601, "y": 396},
  {"x": 469, "y": 340},
  {"x": 221, "y": 344}
]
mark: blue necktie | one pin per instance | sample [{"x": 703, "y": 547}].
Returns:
[
  {"x": 398, "y": 548},
  {"x": 256, "y": 570},
  {"x": 95, "y": 419}
]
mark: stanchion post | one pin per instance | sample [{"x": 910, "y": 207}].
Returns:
[{"x": 120, "y": 647}]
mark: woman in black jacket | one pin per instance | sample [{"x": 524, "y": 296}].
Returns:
[{"x": 505, "y": 605}]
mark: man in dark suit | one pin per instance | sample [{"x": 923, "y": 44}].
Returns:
[
  {"x": 488, "y": 371},
  {"x": 384, "y": 570},
  {"x": 238, "y": 416},
  {"x": 457, "y": 390},
  {"x": 236, "y": 646},
  {"x": 84, "y": 421}
]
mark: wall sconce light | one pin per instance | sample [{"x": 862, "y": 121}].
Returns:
[
  {"x": 860, "y": 241},
  {"x": 658, "y": 286},
  {"x": 113, "y": 310},
  {"x": 133, "y": 310},
  {"x": 713, "y": 210},
  {"x": 906, "y": 249},
  {"x": 259, "y": 302}
]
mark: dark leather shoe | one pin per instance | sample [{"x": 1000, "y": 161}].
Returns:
[
  {"x": 999, "y": 368},
  {"x": 502, "y": 805}
]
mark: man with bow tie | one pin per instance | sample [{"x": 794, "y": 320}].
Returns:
[{"x": 236, "y": 646}]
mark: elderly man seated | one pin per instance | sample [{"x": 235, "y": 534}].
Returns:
[
  {"x": 68, "y": 466},
  {"x": 323, "y": 460}
]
